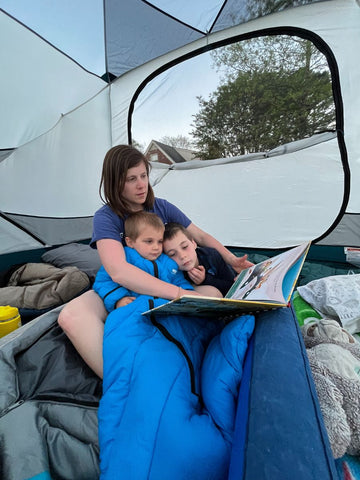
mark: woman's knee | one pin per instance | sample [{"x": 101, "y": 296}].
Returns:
[
  {"x": 65, "y": 318},
  {"x": 81, "y": 310}
]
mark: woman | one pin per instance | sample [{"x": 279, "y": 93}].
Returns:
[{"x": 125, "y": 183}]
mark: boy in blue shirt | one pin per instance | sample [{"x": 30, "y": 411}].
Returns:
[{"x": 144, "y": 233}]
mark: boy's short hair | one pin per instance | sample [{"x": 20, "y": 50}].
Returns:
[
  {"x": 135, "y": 222},
  {"x": 172, "y": 229}
]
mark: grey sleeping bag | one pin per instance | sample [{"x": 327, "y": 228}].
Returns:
[{"x": 48, "y": 406}]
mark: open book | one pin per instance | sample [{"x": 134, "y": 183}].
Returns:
[{"x": 264, "y": 286}]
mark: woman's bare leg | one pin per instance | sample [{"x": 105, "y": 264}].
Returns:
[
  {"x": 82, "y": 320},
  {"x": 208, "y": 291}
]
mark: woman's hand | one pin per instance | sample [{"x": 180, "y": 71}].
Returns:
[
  {"x": 205, "y": 240},
  {"x": 197, "y": 275},
  {"x": 240, "y": 263}
]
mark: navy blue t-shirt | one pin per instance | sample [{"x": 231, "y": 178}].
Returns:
[{"x": 107, "y": 224}]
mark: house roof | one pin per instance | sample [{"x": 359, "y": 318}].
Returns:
[{"x": 174, "y": 154}]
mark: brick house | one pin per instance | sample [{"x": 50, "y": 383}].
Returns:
[{"x": 159, "y": 152}]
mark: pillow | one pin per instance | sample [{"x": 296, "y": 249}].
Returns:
[
  {"x": 74, "y": 255},
  {"x": 336, "y": 297}
]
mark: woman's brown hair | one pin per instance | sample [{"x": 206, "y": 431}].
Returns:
[{"x": 116, "y": 164}]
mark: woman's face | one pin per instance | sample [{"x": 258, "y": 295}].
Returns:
[{"x": 136, "y": 187}]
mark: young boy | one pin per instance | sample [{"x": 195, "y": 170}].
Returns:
[
  {"x": 202, "y": 265},
  {"x": 144, "y": 233}
]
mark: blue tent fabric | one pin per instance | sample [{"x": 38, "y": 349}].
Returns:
[
  {"x": 283, "y": 436},
  {"x": 179, "y": 433}
]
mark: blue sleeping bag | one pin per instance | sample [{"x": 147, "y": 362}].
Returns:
[{"x": 169, "y": 394}]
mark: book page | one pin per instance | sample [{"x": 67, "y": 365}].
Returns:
[
  {"x": 210, "y": 307},
  {"x": 267, "y": 285},
  {"x": 265, "y": 281}
]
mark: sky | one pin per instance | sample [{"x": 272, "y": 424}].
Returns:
[{"x": 167, "y": 105}]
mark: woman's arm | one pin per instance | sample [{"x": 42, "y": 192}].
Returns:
[
  {"x": 113, "y": 258},
  {"x": 206, "y": 240}
]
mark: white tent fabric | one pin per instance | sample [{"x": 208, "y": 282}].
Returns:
[
  {"x": 323, "y": 181},
  {"x": 38, "y": 84},
  {"x": 57, "y": 120},
  {"x": 260, "y": 195},
  {"x": 74, "y": 149}
]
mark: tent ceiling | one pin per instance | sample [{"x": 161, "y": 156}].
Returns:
[{"x": 136, "y": 31}]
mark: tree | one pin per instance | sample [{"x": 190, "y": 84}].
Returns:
[
  {"x": 281, "y": 53},
  {"x": 274, "y": 90},
  {"x": 179, "y": 141},
  {"x": 138, "y": 145}
]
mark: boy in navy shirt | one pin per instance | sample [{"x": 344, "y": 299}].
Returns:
[{"x": 201, "y": 265}]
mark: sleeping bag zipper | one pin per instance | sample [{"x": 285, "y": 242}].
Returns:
[
  {"x": 172, "y": 339},
  {"x": 179, "y": 345}
]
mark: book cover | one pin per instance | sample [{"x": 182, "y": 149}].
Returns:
[{"x": 268, "y": 284}]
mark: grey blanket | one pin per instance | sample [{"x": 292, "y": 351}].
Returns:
[{"x": 334, "y": 357}]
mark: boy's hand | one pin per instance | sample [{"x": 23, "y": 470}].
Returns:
[
  {"x": 241, "y": 263},
  {"x": 124, "y": 301},
  {"x": 197, "y": 275}
]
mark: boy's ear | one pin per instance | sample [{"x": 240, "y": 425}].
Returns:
[
  {"x": 194, "y": 243},
  {"x": 129, "y": 242}
]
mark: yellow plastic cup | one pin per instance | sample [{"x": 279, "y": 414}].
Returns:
[{"x": 9, "y": 320}]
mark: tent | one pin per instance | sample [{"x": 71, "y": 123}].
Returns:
[{"x": 58, "y": 118}]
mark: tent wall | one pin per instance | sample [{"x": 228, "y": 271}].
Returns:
[
  {"x": 288, "y": 199},
  {"x": 14, "y": 239},
  {"x": 62, "y": 166},
  {"x": 38, "y": 84},
  {"x": 55, "y": 129},
  {"x": 60, "y": 120},
  {"x": 51, "y": 187},
  {"x": 270, "y": 202}
]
